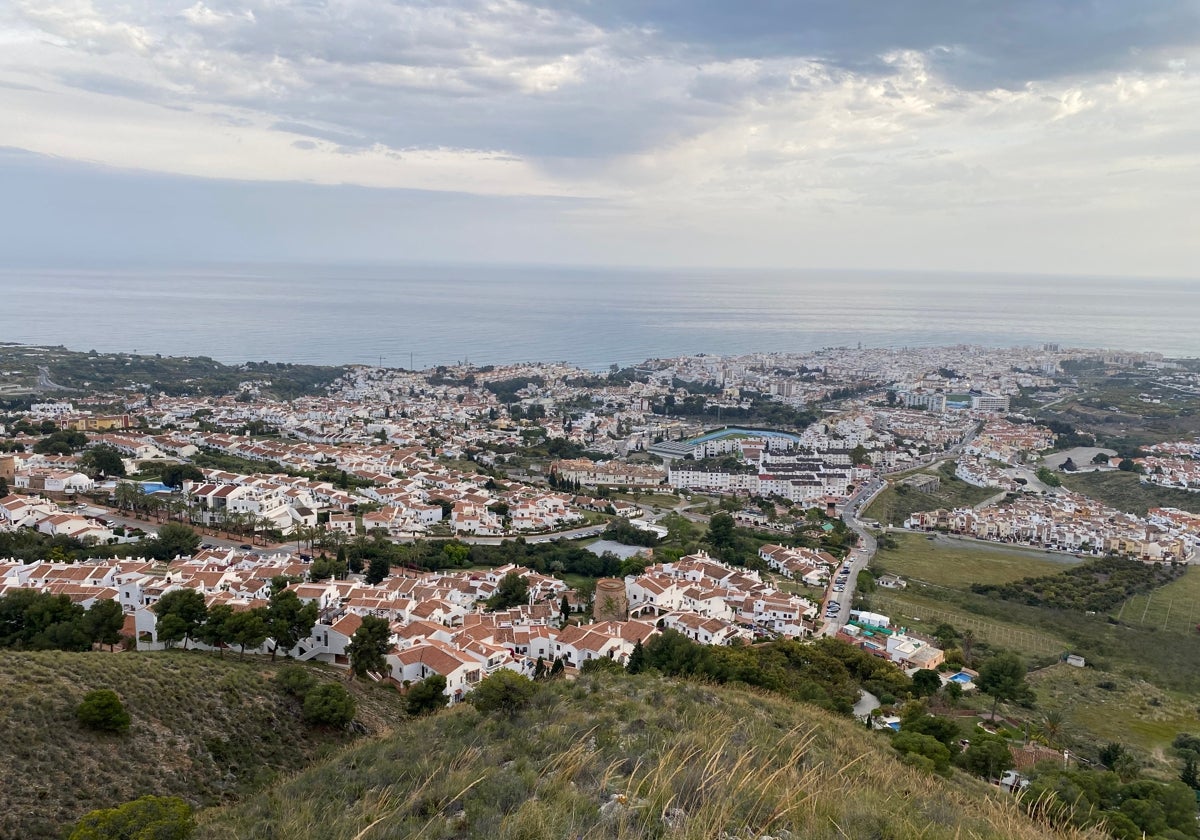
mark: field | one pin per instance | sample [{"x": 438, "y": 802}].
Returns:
[
  {"x": 898, "y": 501},
  {"x": 205, "y": 728},
  {"x": 1123, "y": 491},
  {"x": 1174, "y": 607},
  {"x": 1112, "y": 707},
  {"x": 957, "y": 563}
]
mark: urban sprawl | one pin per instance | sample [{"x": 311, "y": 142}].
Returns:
[{"x": 779, "y": 442}]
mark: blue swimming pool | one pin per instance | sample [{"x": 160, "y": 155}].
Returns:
[
  {"x": 155, "y": 487},
  {"x": 961, "y": 678}
]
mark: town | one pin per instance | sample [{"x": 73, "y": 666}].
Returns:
[{"x": 277, "y": 496}]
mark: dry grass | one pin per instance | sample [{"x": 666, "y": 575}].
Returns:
[
  {"x": 627, "y": 759},
  {"x": 208, "y": 729}
]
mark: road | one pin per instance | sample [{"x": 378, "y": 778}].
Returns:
[
  {"x": 858, "y": 558},
  {"x": 44, "y": 383},
  {"x": 151, "y": 526}
]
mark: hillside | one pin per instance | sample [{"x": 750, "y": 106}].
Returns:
[
  {"x": 625, "y": 757},
  {"x": 204, "y": 728}
]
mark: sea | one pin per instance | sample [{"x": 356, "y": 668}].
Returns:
[{"x": 420, "y": 316}]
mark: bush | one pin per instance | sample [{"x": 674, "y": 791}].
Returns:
[
  {"x": 101, "y": 711},
  {"x": 148, "y": 818},
  {"x": 427, "y": 696},
  {"x": 504, "y": 691},
  {"x": 603, "y": 665},
  {"x": 295, "y": 680},
  {"x": 329, "y": 704}
]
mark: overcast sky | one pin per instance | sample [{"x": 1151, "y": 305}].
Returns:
[{"x": 1023, "y": 135}]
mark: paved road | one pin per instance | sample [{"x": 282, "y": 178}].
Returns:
[
  {"x": 858, "y": 559},
  {"x": 151, "y": 526}
]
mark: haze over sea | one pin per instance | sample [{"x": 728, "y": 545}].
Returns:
[{"x": 590, "y": 317}]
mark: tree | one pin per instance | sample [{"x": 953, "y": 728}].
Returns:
[
  {"x": 987, "y": 756},
  {"x": 564, "y": 609},
  {"x": 1127, "y": 465},
  {"x": 104, "y": 622},
  {"x": 329, "y": 704},
  {"x": 1003, "y": 677},
  {"x": 377, "y": 570},
  {"x": 510, "y": 592},
  {"x": 369, "y": 646},
  {"x": 427, "y": 696},
  {"x": 720, "y": 532},
  {"x": 1189, "y": 774},
  {"x": 456, "y": 553},
  {"x": 637, "y": 659},
  {"x": 859, "y": 456},
  {"x": 3, "y": 487},
  {"x": 247, "y": 628},
  {"x": 289, "y": 620},
  {"x": 1100, "y": 458},
  {"x": 102, "y": 460},
  {"x": 147, "y": 818},
  {"x": 216, "y": 631},
  {"x": 926, "y": 683},
  {"x": 185, "y": 611},
  {"x": 505, "y": 691},
  {"x": 174, "y": 540},
  {"x": 926, "y": 747},
  {"x": 173, "y": 475},
  {"x": 101, "y": 711}
]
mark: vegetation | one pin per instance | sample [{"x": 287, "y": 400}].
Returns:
[
  {"x": 368, "y": 646},
  {"x": 900, "y": 501},
  {"x": 950, "y": 561},
  {"x": 175, "y": 376},
  {"x": 1094, "y": 585},
  {"x": 1125, "y": 491},
  {"x": 611, "y": 756},
  {"x": 427, "y": 696},
  {"x": 101, "y": 711},
  {"x": 827, "y": 673},
  {"x": 328, "y": 704},
  {"x": 1128, "y": 810},
  {"x": 231, "y": 730},
  {"x": 145, "y": 818},
  {"x": 32, "y": 620}
]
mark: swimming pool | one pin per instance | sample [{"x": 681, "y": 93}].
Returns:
[
  {"x": 961, "y": 678},
  {"x": 155, "y": 487}
]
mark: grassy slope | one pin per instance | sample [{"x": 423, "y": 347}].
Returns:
[
  {"x": 692, "y": 761},
  {"x": 1123, "y": 491},
  {"x": 894, "y": 505},
  {"x": 204, "y": 728}
]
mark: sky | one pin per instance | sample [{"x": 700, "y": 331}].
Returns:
[{"x": 1045, "y": 136}]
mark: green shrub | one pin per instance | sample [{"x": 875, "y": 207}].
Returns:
[
  {"x": 427, "y": 696},
  {"x": 296, "y": 680},
  {"x": 329, "y": 704},
  {"x": 504, "y": 691},
  {"x": 148, "y": 818},
  {"x": 101, "y": 710}
]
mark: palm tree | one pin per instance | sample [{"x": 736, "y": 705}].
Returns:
[
  {"x": 126, "y": 494},
  {"x": 1052, "y": 728}
]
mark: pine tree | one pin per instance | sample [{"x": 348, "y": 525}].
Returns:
[{"x": 637, "y": 659}]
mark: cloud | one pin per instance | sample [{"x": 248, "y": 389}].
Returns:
[{"x": 765, "y": 115}]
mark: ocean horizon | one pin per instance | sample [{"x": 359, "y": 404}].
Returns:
[{"x": 425, "y": 315}]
